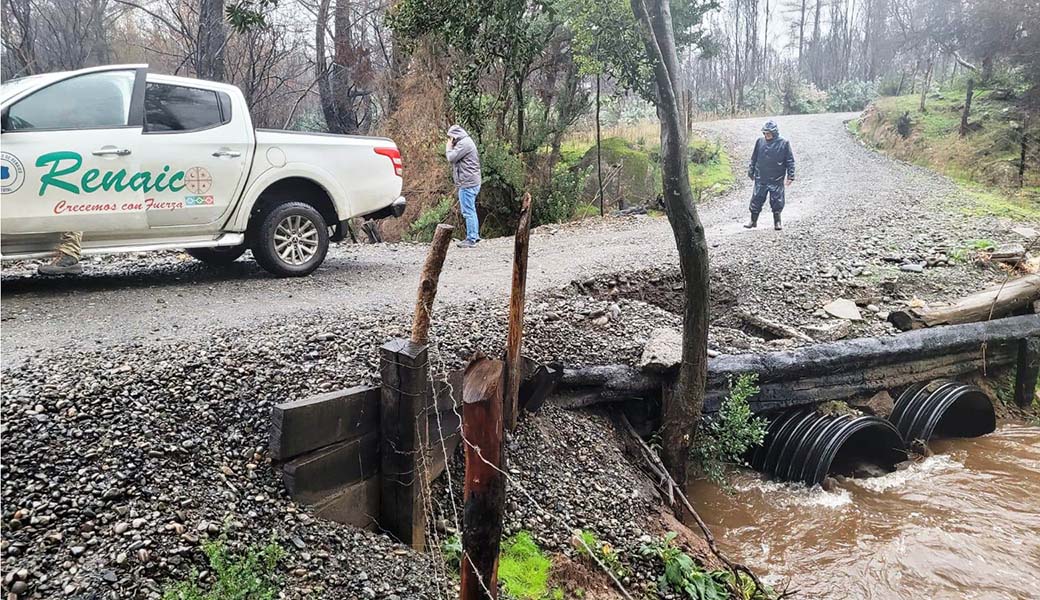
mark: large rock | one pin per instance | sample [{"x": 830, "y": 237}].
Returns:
[
  {"x": 880, "y": 404},
  {"x": 844, "y": 309},
  {"x": 663, "y": 351},
  {"x": 829, "y": 333}
]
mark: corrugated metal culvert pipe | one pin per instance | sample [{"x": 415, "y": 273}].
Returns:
[
  {"x": 803, "y": 445},
  {"x": 943, "y": 408}
]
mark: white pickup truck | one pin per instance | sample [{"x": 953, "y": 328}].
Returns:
[{"x": 138, "y": 161}]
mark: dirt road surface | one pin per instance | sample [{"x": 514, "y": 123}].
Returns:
[{"x": 842, "y": 190}]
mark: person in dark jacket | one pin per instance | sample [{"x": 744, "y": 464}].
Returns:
[
  {"x": 770, "y": 162},
  {"x": 461, "y": 152}
]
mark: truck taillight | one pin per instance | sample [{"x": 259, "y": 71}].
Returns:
[{"x": 395, "y": 157}]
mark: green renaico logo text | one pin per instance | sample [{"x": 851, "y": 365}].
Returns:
[{"x": 65, "y": 164}]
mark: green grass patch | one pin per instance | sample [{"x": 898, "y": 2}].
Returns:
[
  {"x": 1021, "y": 206},
  {"x": 639, "y": 177},
  {"x": 710, "y": 167},
  {"x": 523, "y": 568},
  {"x": 251, "y": 576}
]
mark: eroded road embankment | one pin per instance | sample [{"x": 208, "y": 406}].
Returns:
[{"x": 842, "y": 191}]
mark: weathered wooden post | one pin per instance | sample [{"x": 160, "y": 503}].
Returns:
[
  {"x": 485, "y": 486},
  {"x": 406, "y": 396},
  {"x": 1027, "y": 372},
  {"x": 516, "y": 314}
]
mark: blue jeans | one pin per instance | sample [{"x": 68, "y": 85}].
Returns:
[{"x": 468, "y": 203}]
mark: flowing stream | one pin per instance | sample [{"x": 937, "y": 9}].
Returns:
[{"x": 962, "y": 524}]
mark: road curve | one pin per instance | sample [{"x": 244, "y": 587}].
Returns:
[{"x": 152, "y": 298}]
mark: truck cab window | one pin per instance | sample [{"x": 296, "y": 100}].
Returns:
[
  {"x": 180, "y": 108},
  {"x": 91, "y": 101}
]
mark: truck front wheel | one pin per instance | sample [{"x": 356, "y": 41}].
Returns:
[{"x": 291, "y": 240}]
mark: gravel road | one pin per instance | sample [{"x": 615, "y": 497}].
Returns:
[
  {"x": 136, "y": 398},
  {"x": 842, "y": 189}
]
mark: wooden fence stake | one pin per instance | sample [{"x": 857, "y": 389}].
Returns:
[
  {"x": 1028, "y": 371},
  {"x": 431, "y": 274},
  {"x": 516, "y": 314},
  {"x": 485, "y": 485},
  {"x": 407, "y": 395}
]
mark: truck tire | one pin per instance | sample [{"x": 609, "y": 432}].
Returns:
[
  {"x": 291, "y": 239},
  {"x": 217, "y": 257}
]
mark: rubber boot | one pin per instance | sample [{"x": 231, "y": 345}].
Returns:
[
  {"x": 753, "y": 223},
  {"x": 63, "y": 264},
  {"x": 777, "y": 225}
]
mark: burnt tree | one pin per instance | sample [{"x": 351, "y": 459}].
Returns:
[{"x": 681, "y": 407}]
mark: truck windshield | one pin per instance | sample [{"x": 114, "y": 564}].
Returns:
[{"x": 12, "y": 86}]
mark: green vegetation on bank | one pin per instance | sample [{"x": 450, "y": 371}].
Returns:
[
  {"x": 723, "y": 439},
  {"x": 683, "y": 577},
  {"x": 638, "y": 164},
  {"x": 985, "y": 160},
  {"x": 251, "y": 576},
  {"x": 523, "y": 568}
]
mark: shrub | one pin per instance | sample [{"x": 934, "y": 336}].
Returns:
[
  {"x": 726, "y": 437},
  {"x": 451, "y": 550},
  {"x": 801, "y": 97},
  {"x": 503, "y": 178},
  {"x": 904, "y": 124},
  {"x": 557, "y": 201},
  {"x": 850, "y": 96},
  {"x": 249, "y": 577},
  {"x": 421, "y": 230}
]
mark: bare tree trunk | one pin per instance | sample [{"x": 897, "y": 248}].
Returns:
[
  {"x": 210, "y": 64},
  {"x": 987, "y": 69},
  {"x": 599, "y": 151},
  {"x": 567, "y": 105},
  {"x": 765, "y": 40},
  {"x": 681, "y": 409},
  {"x": 518, "y": 91},
  {"x": 342, "y": 67},
  {"x": 814, "y": 60},
  {"x": 328, "y": 108},
  {"x": 1022, "y": 158},
  {"x": 24, "y": 55},
  {"x": 868, "y": 20},
  {"x": 967, "y": 107},
  {"x": 801, "y": 37},
  {"x": 927, "y": 81}
]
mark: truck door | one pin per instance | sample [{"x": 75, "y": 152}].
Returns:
[
  {"x": 191, "y": 133},
  {"x": 69, "y": 159}
]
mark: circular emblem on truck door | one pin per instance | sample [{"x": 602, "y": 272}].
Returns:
[
  {"x": 198, "y": 180},
  {"x": 12, "y": 173}
]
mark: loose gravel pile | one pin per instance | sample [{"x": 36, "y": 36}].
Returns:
[{"x": 120, "y": 463}]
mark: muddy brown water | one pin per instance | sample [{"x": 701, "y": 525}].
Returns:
[{"x": 962, "y": 524}]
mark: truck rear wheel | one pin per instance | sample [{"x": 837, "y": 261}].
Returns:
[
  {"x": 217, "y": 257},
  {"x": 291, "y": 240}
]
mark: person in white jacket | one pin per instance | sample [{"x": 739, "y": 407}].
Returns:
[{"x": 462, "y": 153}]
